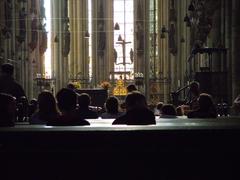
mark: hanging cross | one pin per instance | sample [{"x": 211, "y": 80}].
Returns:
[{"x": 123, "y": 43}]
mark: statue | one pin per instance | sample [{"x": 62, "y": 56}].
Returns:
[
  {"x": 8, "y": 18},
  {"x": 34, "y": 40},
  {"x": 101, "y": 34},
  {"x": 22, "y": 26},
  {"x": 66, "y": 41},
  {"x": 131, "y": 55},
  {"x": 115, "y": 54}
]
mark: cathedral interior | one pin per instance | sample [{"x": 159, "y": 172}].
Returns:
[{"x": 160, "y": 45}]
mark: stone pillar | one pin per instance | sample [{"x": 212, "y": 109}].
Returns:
[
  {"x": 59, "y": 62},
  {"x": 235, "y": 48},
  {"x": 100, "y": 40},
  {"x": 78, "y": 59}
]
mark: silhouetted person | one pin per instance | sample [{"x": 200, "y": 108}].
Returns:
[
  {"x": 168, "y": 111},
  {"x": 22, "y": 109},
  {"x": 131, "y": 88},
  {"x": 7, "y": 84},
  {"x": 67, "y": 103},
  {"x": 32, "y": 107},
  {"x": 112, "y": 108},
  {"x": 137, "y": 111},
  {"x": 194, "y": 92},
  {"x": 84, "y": 112},
  {"x": 206, "y": 108},
  {"x": 7, "y": 110},
  {"x": 47, "y": 109},
  {"x": 235, "y": 109},
  {"x": 158, "y": 110}
]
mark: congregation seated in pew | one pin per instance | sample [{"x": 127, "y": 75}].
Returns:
[
  {"x": 137, "y": 111},
  {"x": 47, "y": 109},
  {"x": 67, "y": 103},
  {"x": 112, "y": 109}
]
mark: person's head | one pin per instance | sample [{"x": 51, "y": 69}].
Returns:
[
  {"x": 7, "y": 69},
  {"x": 67, "y": 100},
  {"x": 7, "y": 109},
  {"x": 46, "y": 102},
  {"x": 179, "y": 111},
  {"x": 135, "y": 100},
  {"x": 205, "y": 102},
  {"x": 168, "y": 110},
  {"x": 112, "y": 105},
  {"x": 159, "y": 106},
  {"x": 131, "y": 88},
  {"x": 84, "y": 100},
  {"x": 195, "y": 88},
  {"x": 71, "y": 86}
]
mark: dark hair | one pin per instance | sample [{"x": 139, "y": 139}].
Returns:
[
  {"x": 7, "y": 114},
  {"x": 194, "y": 88},
  {"x": 67, "y": 99},
  {"x": 168, "y": 109},
  {"x": 131, "y": 88},
  {"x": 7, "y": 68},
  {"x": 112, "y": 105},
  {"x": 159, "y": 106},
  {"x": 84, "y": 100},
  {"x": 47, "y": 104},
  {"x": 206, "y": 102},
  {"x": 135, "y": 100}
]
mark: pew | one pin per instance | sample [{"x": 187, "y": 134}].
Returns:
[{"x": 172, "y": 149}]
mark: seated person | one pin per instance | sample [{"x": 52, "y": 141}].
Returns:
[
  {"x": 137, "y": 111},
  {"x": 7, "y": 110},
  {"x": 235, "y": 109},
  {"x": 112, "y": 109},
  {"x": 67, "y": 102},
  {"x": 47, "y": 109},
  {"x": 158, "y": 110},
  {"x": 83, "y": 110},
  {"x": 206, "y": 108},
  {"x": 192, "y": 103},
  {"x": 33, "y": 107},
  {"x": 168, "y": 111},
  {"x": 131, "y": 88}
]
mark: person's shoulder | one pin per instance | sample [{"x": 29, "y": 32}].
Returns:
[{"x": 120, "y": 120}]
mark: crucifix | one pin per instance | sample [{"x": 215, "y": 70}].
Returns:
[{"x": 123, "y": 43}]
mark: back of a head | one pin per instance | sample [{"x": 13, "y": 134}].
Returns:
[
  {"x": 67, "y": 99},
  {"x": 46, "y": 102},
  {"x": 112, "y": 105},
  {"x": 131, "y": 88},
  {"x": 195, "y": 88},
  {"x": 205, "y": 101},
  {"x": 84, "y": 100},
  {"x": 169, "y": 110},
  {"x": 135, "y": 100},
  {"x": 159, "y": 106},
  {"x": 7, "y": 69},
  {"x": 7, "y": 109}
]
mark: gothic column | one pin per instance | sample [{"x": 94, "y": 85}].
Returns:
[
  {"x": 235, "y": 48},
  {"x": 79, "y": 57},
  {"x": 164, "y": 65},
  {"x": 59, "y": 56},
  {"x": 101, "y": 40}
]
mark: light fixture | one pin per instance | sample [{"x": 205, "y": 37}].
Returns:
[
  {"x": 87, "y": 35},
  {"x": 120, "y": 38},
  {"x": 163, "y": 31},
  {"x": 191, "y": 7},
  {"x": 116, "y": 26},
  {"x": 56, "y": 39}
]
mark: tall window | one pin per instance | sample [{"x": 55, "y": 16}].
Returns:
[
  {"x": 124, "y": 36},
  {"x": 153, "y": 29},
  {"x": 48, "y": 53},
  {"x": 90, "y": 36}
]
